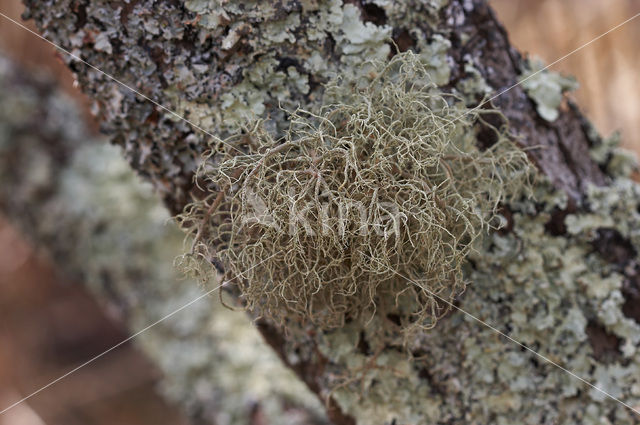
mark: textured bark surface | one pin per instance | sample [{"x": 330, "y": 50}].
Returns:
[{"x": 543, "y": 282}]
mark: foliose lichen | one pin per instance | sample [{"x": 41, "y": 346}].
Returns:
[
  {"x": 546, "y": 88},
  {"x": 219, "y": 64}
]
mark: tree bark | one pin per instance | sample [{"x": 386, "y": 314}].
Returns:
[{"x": 562, "y": 278}]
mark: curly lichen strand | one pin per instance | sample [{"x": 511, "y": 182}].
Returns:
[{"x": 366, "y": 224}]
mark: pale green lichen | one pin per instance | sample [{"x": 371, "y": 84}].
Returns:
[
  {"x": 383, "y": 185},
  {"x": 546, "y": 88},
  {"x": 602, "y": 147},
  {"x": 434, "y": 57},
  {"x": 361, "y": 37},
  {"x": 473, "y": 86},
  {"x": 606, "y": 151},
  {"x": 266, "y": 86}
]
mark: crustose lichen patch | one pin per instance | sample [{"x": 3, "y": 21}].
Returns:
[{"x": 329, "y": 223}]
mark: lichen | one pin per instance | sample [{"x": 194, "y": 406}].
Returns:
[
  {"x": 220, "y": 64},
  {"x": 542, "y": 287},
  {"x": 384, "y": 185},
  {"x": 215, "y": 363},
  {"x": 546, "y": 88}
]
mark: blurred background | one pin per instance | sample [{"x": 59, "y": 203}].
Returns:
[
  {"x": 48, "y": 326},
  {"x": 608, "y": 70}
]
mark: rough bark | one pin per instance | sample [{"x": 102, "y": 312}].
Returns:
[
  {"x": 81, "y": 204},
  {"x": 546, "y": 280}
]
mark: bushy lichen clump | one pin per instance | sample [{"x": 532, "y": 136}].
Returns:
[{"x": 331, "y": 222}]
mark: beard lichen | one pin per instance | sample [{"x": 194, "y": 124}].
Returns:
[{"x": 368, "y": 206}]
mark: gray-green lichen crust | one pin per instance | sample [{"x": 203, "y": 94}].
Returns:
[
  {"x": 215, "y": 364},
  {"x": 546, "y": 88}
]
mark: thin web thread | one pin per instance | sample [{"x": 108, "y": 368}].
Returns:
[
  {"x": 499, "y": 332},
  {"x": 211, "y": 135},
  {"x": 125, "y": 340}
]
